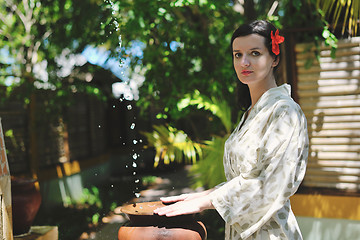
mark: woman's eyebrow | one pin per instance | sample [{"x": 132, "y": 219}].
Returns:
[{"x": 255, "y": 48}]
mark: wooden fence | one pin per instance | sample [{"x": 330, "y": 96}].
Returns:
[
  {"x": 89, "y": 127},
  {"x": 329, "y": 94}
]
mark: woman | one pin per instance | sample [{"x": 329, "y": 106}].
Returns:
[{"x": 265, "y": 157}]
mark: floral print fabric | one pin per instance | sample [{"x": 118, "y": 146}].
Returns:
[{"x": 265, "y": 161}]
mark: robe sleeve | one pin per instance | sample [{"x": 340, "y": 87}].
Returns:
[{"x": 249, "y": 200}]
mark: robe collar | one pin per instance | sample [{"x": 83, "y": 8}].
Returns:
[{"x": 269, "y": 96}]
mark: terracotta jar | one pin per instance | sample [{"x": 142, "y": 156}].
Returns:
[
  {"x": 146, "y": 225},
  {"x": 26, "y": 200}
]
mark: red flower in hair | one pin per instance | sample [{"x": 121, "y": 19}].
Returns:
[{"x": 276, "y": 40}]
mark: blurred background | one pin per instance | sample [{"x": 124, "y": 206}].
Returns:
[{"x": 98, "y": 97}]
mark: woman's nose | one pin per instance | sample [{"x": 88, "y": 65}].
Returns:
[{"x": 244, "y": 61}]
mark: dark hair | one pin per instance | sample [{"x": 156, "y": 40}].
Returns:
[{"x": 262, "y": 28}]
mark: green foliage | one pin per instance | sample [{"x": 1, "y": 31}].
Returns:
[
  {"x": 91, "y": 197},
  {"x": 333, "y": 9},
  {"x": 209, "y": 171},
  {"x": 172, "y": 145},
  {"x": 147, "y": 180},
  {"x": 330, "y": 40},
  {"x": 217, "y": 107},
  {"x": 35, "y": 33},
  {"x": 187, "y": 48},
  {"x": 90, "y": 200}
]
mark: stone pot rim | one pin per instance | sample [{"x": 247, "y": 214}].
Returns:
[{"x": 143, "y": 208}]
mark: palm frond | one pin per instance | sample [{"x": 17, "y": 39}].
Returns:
[
  {"x": 209, "y": 171},
  {"x": 172, "y": 145},
  {"x": 334, "y": 8},
  {"x": 218, "y": 107}
]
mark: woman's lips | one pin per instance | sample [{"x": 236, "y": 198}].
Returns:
[{"x": 246, "y": 72}]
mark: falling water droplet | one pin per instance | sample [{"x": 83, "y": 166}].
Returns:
[
  {"x": 137, "y": 180},
  {"x": 134, "y": 142},
  {"x": 99, "y": 126},
  {"x": 113, "y": 106},
  {"x": 129, "y": 107},
  {"x": 140, "y": 140},
  {"x": 120, "y": 41},
  {"x": 121, "y": 99},
  {"x": 128, "y": 96},
  {"x": 135, "y": 156},
  {"x": 126, "y": 166},
  {"x": 112, "y": 185},
  {"x": 134, "y": 173},
  {"x": 132, "y": 126},
  {"x": 137, "y": 195},
  {"x": 134, "y": 164}
]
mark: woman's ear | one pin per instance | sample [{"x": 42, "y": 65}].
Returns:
[{"x": 276, "y": 61}]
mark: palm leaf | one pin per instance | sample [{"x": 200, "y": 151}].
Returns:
[
  {"x": 218, "y": 107},
  {"x": 209, "y": 171},
  {"x": 172, "y": 145},
  {"x": 350, "y": 8}
]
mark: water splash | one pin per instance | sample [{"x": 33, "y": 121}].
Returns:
[{"x": 124, "y": 95}]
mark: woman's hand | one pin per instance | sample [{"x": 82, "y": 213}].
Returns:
[
  {"x": 184, "y": 197},
  {"x": 185, "y": 204}
]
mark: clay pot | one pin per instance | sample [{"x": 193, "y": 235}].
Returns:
[
  {"x": 146, "y": 225},
  {"x": 26, "y": 200}
]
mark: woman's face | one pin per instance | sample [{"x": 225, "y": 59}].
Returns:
[{"x": 252, "y": 61}]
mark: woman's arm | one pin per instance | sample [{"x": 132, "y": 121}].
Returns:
[
  {"x": 185, "y": 204},
  {"x": 185, "y": 196}
]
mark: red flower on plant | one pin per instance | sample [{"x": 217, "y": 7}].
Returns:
[{"x": 276, "y": 40}]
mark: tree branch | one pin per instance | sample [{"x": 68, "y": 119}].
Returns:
[
  {"x": 9, "y": 75},
  {"x": 14, "y": 8},
  {"x": 38, "y": 44}
]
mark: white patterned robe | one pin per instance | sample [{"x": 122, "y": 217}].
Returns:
[{"x": 265, "y": 162}]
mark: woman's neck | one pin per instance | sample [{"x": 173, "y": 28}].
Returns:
[{"x": 257, "y": 90}]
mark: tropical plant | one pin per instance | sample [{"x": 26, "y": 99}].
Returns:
[
  {"x": 217, "y": 107},
  {"x": 209, "y": 170},
  {"x": 172, "y": 145},
  {"x": 335, "y": 9}
]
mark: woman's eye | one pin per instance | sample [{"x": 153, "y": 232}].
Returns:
[
  {"x": 255, "y": 53},
  {"x": 237, "y": 55}
]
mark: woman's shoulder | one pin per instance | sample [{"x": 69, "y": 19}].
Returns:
[{"x": 288, "y": 105}]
